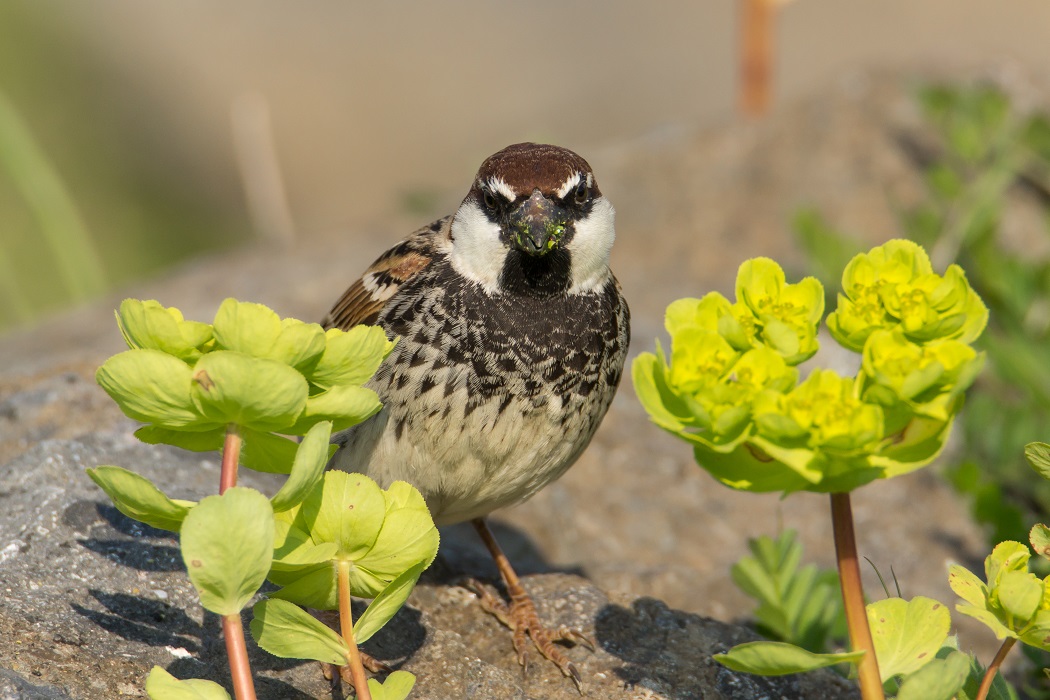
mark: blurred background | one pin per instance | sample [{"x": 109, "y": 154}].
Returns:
[
  {"x": 130, "y": 131},
  {"x": 193, "y": 150}
]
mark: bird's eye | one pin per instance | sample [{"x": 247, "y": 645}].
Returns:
[
  {"x": 582, "y": 192},
  {"x": 490, "y": 199}
]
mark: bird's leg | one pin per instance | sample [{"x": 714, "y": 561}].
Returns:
[
  {"x": 331, "y": 618},
  {"x": 521, "y": 617}
]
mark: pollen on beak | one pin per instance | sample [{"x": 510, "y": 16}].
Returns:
[{"x": 537, "y": 225}]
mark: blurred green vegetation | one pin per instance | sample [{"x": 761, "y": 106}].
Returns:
[
  {"x": 985, "y": 149},
  {"x": 986, "y": 152},
  {"x": 93, "y": 193}
]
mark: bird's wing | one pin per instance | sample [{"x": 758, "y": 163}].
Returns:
[{"x": 365, "y": 298}]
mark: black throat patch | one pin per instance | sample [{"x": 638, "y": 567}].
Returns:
[{"x": 545, "y": 276}]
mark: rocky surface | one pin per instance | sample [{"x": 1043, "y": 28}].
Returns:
[
  {"x": 634, "y": 543},
  {"x": 90, "y": 600}
]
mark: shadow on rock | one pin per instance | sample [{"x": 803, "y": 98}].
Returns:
[
  {"x": 133, "y": 528},
  {"x": 130, "y": 543},
  {"x": 669, "y": 651},
  {"x": 462, "y": 554},
  {"x": 139, "y": 619}
]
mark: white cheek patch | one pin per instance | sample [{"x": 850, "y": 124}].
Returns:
[
  {"x": 477, "y": 251},
  {"x": 569, "y": 184},
  {"x": 590, "y": 247},
  {"x": 498, "y": 184}
]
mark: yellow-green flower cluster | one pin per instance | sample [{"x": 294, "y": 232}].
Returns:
[
  {"x": 730, "y": 386},
  {"x": 723, "y": 354},
  {"x": 894, "y": 287}
]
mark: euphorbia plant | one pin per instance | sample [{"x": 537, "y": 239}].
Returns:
[
  {"x": 243, "y": 384},
  {"x": 730, "y": 388}
]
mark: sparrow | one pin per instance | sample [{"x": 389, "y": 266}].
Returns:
[{"x": 511, "y": 338}]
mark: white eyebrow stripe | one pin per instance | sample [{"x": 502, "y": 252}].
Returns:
[
  {"x": 497, "y": 184},
  {"x": 573, "y": 180}
]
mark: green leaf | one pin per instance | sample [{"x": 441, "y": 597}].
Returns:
[
  {"x": 387, "y": 603},
  {"x": 1005, "y": 556},
  {"x": 967, "y": 586},
  {"x": 1020, "y": 594},
  {"x": 1037, "y": 630},
  {"x": 267, "y": 452},
  {"x": 1038, "y": 455},
  {"x": 343, "y": 405},
  {"x": 408, "y": 536},
  {"x": 227, "y": 544},
  {"x": 316, "y": 588},
  {"x": 940, "y": 679},
  {"x": 396, "y": 687},
  {"x": 246, "y": 327},
  {"x": 207, "y": 441},
  {"x": 161, "y": 685},
  {"x": 1039, "y": 536},
  {"x": 987, "y": 618},
  {"x": 347, "y": 509},
  {"x": 779, "y": 659},
  {"x": 307, "y": 469},
  {"x": 286, "y": 630},
  {"x": 299, "y": 345},
  {"x": 907, "y": 634},
  {"x": 293, "y": 547},
  {"x": 136, "y": 497},
  {"x": 302, "y": 554},
  {"x": 152, "y": 387},
  {"x": 351, "y": 357},
  {"x": 149, "y": 325},
  {"x": 232, "y": 387}
]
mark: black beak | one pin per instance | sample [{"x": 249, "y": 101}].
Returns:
[{"x": 537, "y": 225}]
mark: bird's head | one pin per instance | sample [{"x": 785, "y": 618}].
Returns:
[{"x": 534, "y": 221}]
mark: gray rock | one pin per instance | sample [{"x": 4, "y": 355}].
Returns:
[{"x": 91, "y": 600}]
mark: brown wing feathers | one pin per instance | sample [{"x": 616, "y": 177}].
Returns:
[{"x": 366, "y": 297}]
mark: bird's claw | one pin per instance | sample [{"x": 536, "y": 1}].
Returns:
[
  {"x": 370, "y": 663},
  {"x": 521, "y": 617}
]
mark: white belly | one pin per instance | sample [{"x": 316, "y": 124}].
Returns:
[{"x": 466, "y": 467}]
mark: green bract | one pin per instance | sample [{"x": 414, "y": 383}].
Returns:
[
  {"x": 894, "y": 286},
  {"x": 929, "y": 378},
  {"x": 907, "y": 633},
  {"x": 387, "y": 536},
  {"x": 148, "y": 325},
  {"x": 251, "y": 370},
  {"x": 161, "y": 685},
  {"x": 286, "y": 630},
  {"x": 227, "y": 542},
  {"x": 397, "y": 686},
  {"x": 242, "y": 385},
  {"x": 779, "y": 658},
  {"x": 730, "y": 387},
  {"x": 1011, "y": 601},
  {"x": 136, "y": 497}
]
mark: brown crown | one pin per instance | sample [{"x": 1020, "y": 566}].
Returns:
[{"x": 529, "y": 166}]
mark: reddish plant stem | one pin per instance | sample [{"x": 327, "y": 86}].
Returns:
[
  {"x": 993, "y": 668},
  {"x": 346, "y": 626},
  {"x": 853, "y": 597},
  {"x": 231, "y": 455},
  {"x": 237, "y": 651}
]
